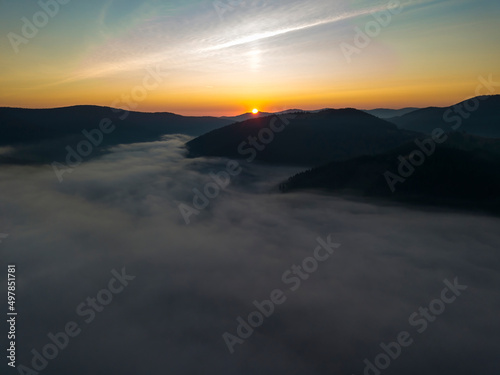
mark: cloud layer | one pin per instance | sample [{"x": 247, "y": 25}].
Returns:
[{"x": 192, "y": 282}]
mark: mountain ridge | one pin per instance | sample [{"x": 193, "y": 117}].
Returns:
[
  {"x": 463, "y": 172},
  {"x": 479, "y": 116},
  {"x": 43, "y": 134},
  {"x": 336, "y": 133}
]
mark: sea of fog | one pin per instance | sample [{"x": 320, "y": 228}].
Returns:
[{"x": 183, "y": 290}]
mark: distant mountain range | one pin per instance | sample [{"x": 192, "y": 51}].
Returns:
[
  {"x": 310, "y": 138},
  {"x": 320, "y": 136},
  {"x": 479, "y": 116},
  {"x": 41, "y": 135},
  {"x": 359, "y": 151},
  {"x": 250, "y": 115},
  {"x": 385, "y": 113},
  {"x": 246, "y": 116}
]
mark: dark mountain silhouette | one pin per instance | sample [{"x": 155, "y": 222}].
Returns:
[
  {"x": 249, "y": 115},
  {"x": 385, "y": 113},
  {"x": 463, "y": 172},
  {"x": 310, "y": 138},
  {"x": 479, "y": 116},
  {"x": 41, "y": 135},
  {"x": 246, "y": 116}
]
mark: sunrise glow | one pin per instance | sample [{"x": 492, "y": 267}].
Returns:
[{"x": 209, "y": 61}]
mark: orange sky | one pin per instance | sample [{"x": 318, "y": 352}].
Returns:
[{"x": 289, "y": 55}]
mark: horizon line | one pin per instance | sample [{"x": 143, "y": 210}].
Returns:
[{"x": 245, "y": 113}]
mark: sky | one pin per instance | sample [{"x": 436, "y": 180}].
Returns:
[{"x": 230, "y": 56}]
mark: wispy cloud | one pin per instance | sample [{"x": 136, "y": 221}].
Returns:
[
  {"x": 188, "y": 48},
  {"x": 269, "y": 34}
]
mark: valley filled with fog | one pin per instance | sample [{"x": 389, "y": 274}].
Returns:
[{"x": 192, "y": 281}]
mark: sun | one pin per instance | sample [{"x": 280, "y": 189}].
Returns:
[{"x": 255, "y": 111}]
